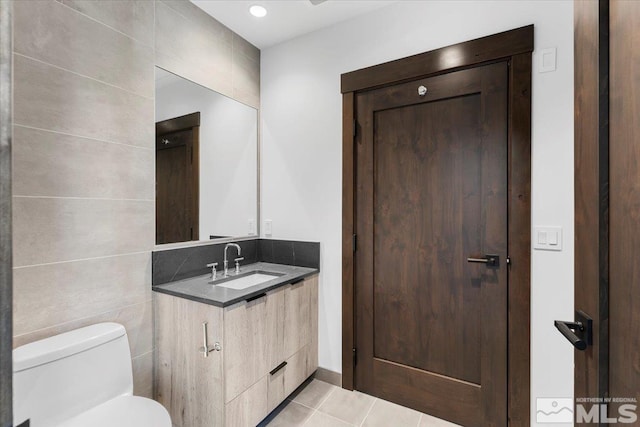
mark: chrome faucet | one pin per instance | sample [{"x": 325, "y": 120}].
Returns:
[{"x": 226, "y": 262}]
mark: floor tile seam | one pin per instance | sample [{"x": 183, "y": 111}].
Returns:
[
  {"x": 375, "y": 399},
  {"x": 326, "y": 398}
]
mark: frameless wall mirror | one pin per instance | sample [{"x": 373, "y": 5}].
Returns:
[{"x": 206, "y": 163}]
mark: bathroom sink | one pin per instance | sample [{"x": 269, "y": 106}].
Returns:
[{"x": 246, "y": 280}]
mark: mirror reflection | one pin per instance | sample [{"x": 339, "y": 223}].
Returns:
[{"x": 206, "y": 163}]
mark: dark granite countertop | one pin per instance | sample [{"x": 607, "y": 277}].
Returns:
[{"x": 201, "y": 290}]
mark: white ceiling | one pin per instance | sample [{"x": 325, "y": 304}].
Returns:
[{"x": 286, "y": 19}]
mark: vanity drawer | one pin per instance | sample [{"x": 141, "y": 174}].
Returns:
[
  {"x": 248, "y": 408},
  {"x": 299, "y": 368},
  {"x": 285, "y": 378},
  {"x": 275, "y": 392}
]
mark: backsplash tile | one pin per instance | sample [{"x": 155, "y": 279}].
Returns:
[
  {"x": 281, "y": 252},
  {"x": 292, "y": 252},
  {"x": 182, "y": 263},
  {"x": 306, "y": 254}
]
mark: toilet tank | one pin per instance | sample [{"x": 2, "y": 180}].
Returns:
[{"x": 59, "y": 377}]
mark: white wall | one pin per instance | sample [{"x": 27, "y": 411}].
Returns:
[
  {"x": 301, "y": 148},
  {"x": 228, "y": 154}
]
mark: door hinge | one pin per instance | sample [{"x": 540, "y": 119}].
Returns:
[
  {"x": 355, "y": 242},
  {"x": 508, "y": 260},
  {"x": 355, "y": 128},
  {"x": 355, "y": 356}
]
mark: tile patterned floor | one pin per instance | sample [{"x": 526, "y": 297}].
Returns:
[{"x": 319, "y": 404}]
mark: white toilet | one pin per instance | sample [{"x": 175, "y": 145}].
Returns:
[{"x": 81, "y": 378}]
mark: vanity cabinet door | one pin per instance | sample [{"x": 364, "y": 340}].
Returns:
[
  {"x": 187, "y": 383},
  {"x": 297, "y": 317},
  {"x": 245, "y": 350},
  {"x": 275, "y": 328},
  {"x": 292, "y": 320},
  {"x": 304, "y": 362}
]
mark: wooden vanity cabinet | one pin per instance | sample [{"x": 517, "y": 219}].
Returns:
[{"x": 268, "y": 347}]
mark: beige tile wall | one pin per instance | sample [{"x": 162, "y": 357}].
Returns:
[
  {"x": 83, "y": 172},
  {"x": 222, "y": 61}
]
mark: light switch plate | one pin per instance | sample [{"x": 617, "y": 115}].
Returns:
[
  {"x": 547, "y": 238},
  {"x": 548, "y": 60}
]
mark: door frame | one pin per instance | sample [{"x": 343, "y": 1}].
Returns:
[{"x": 515, "y": 47}]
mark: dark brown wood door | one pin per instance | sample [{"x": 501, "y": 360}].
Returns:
[
  {"x": 607, "y": 206},
  {"x": 176, "y": 187},
  {"x": 431, "y": 192},
  {"x": 591, "y": 196},
  {"x": 624, "y": 234}
]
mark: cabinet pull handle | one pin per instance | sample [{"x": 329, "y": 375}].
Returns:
[
  {"x": 253, "y": 298},
  {"x": 277, "y": 368},
  {"x": 295, "y": 282}
]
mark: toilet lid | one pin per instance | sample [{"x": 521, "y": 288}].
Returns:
[{"x": 123, "y": 411}]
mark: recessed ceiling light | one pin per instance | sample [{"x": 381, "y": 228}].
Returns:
[{"x": 258, "y": 11}]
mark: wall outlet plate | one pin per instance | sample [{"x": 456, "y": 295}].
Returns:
[{"x": 268, "y": 227}]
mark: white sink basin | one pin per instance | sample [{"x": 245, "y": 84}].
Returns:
[{"x": 247, "y": 281}]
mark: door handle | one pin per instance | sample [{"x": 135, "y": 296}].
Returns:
[
  {"x": 490, "y": 260},
  {"x": 578, "y": 333}
]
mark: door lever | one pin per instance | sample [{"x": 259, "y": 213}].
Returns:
[
  {"x": 578, "y": 333},
  {"x": 490, "y": 260}
]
